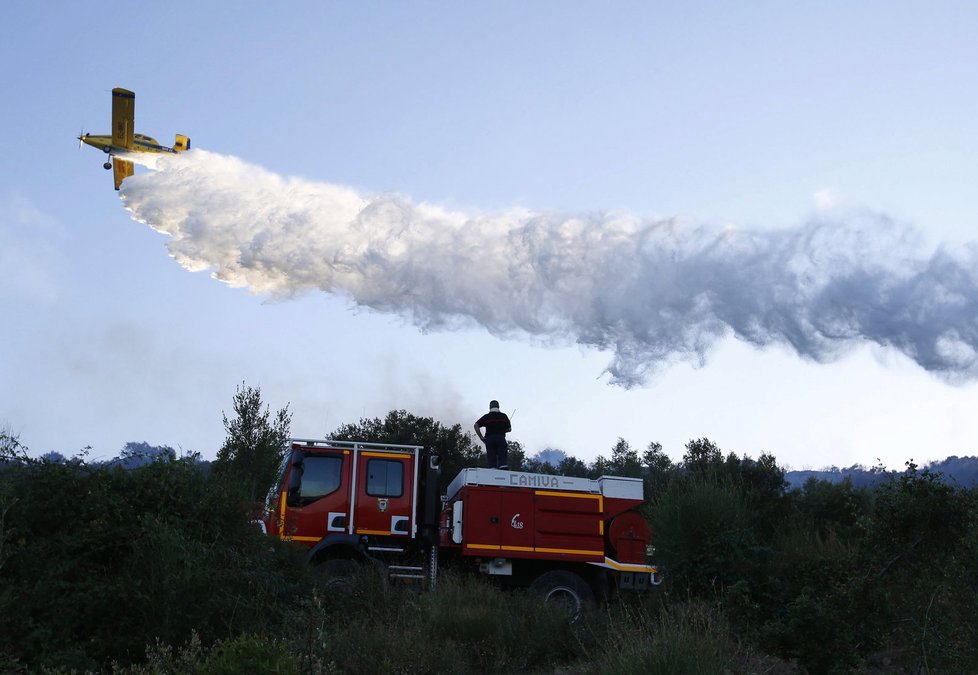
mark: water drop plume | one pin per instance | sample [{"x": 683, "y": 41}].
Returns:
[{"x": 650, "y": 291}]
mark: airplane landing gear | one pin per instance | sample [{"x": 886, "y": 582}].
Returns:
[{"x": 107, "y": 166}]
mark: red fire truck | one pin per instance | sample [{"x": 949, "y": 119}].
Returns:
[{"x": 567, "y": 538}]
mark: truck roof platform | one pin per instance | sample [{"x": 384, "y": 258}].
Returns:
[{"x": 608, "y": 486}]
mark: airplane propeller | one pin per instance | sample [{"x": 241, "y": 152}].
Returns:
[{"x": 81, "y": 138}]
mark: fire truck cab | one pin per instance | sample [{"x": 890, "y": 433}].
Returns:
[{"x": 358, "y": 502}]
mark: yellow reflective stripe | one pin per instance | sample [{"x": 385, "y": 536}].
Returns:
[
  {"x": 624, "y": 567},
  {"x": 304, "y": 538},
  {"x": 281, "y": 518},
  {"x": 567, "y": 550},
  {"x": 533, "y": 549},
  {"x": 373, "y": 531},
  {"x": 550, "y": 493},
  {"x": 386, "y": 454}
]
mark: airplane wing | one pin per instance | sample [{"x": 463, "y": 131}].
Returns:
[
  {"x": 122, "y": 169},
  {"x": 123, "y": 112}
]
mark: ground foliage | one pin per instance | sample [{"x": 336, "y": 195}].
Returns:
[
  {"x": 838, "y": 578},
  {"x": 158, "y": 569},
  {"x": 99, "y": 561}
]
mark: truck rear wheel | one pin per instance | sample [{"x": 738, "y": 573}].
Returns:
[{"x": 565, "y": 589}]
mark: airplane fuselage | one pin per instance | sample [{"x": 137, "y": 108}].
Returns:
[{"x": 140, "y": 143}]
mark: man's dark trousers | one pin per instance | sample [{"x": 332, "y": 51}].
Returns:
[{"x": 496, "y": 452}]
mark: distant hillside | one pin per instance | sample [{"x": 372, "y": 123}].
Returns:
[
  {"x": 960, "y": 471},
  {"x": 133, "y": 455}
]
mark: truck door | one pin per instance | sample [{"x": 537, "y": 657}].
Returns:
[
  {"x": 498, "y": 520},
  {"x": 385, "y": 494},
  {"x": 516, "y": 521},
  {"x": 317, "y": 500}
]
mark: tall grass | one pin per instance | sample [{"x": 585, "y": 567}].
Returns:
[
  {"x": 461, "y": 626},
  {"x": 468, "y": 626},
  {"x": 643, "y": 642}
]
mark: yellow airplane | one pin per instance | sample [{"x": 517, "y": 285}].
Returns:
[{"x": 123, "y": 139}]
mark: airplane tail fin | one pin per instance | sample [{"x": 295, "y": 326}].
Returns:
[{"x": 181, "y": 143}]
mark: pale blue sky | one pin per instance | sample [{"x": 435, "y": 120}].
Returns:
[{"x": 755, "y": 116}]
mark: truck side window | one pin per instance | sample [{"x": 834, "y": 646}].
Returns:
[
  {"x": 385, "y": 478},
  {"x": 320, "y": 477}
]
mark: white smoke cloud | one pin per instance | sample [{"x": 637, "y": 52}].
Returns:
[{"x": 652, "y": 291}]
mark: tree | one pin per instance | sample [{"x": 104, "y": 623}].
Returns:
[
  {"x": 572, "y": 466},
  {"x": 138, "y": 454},
  {"x": 546, "y": 461},
  {"x": 255, "y": 445},
  {"x": 703, "y": 457},
  {"x": 516, "y": 456},
  {"x": 658, "y": 468},
  {"x": 11, "y": 449},
  {"x": 601, "y": 466},
  {"x": 624, "y": 460},
  {"x": 655, "y": 459}
]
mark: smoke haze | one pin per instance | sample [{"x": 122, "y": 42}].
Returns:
[{"x": 651, "y": 291}]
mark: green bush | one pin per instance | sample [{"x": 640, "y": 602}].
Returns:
[
  {"x": 916, "y": 588},
  {"x": 105, "y": 561},
  {"x": 703, "y": 536},
  {"x": 241, "y": 654}
]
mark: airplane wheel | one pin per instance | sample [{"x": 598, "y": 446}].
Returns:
[
  {"x": 105, "y": 150},
  {"x": 107, "y": 166}
]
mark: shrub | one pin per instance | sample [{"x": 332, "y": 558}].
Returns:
[
  {"x": 916, "y": 591},
  {"x": 703, "y": 536},
  {"x": 105, "y": 561}
]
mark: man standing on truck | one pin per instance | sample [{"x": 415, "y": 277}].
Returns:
[{"x": 497, "y": 426}]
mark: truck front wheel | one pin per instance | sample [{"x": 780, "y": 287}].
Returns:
[
  {"x": 565, "y": 589},
  {"x": 337, "y": 574}
]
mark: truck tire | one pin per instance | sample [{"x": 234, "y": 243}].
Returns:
[
  {"x": 337, "y": 573},
  {"x": 565, "y": 589}
]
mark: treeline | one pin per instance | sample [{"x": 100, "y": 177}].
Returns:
[
  {"x": 961, "y": 471},
  {"x": 459, "y": 450},
  {"x": 156, "y": 568}
]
